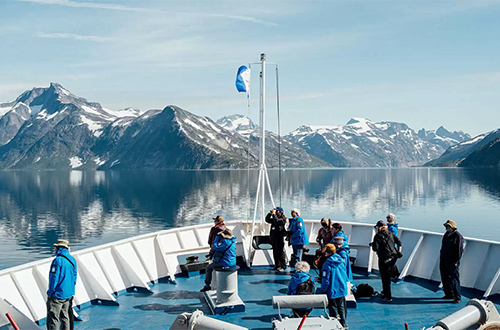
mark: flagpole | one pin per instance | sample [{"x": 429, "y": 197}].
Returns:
[{"x": 263, "y": 133}]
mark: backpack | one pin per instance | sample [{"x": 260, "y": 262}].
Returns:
[
  {"x": 364, "y": 290},
  {"x": 306, "y": 287}
]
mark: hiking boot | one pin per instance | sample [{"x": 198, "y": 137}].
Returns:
[
  {"x": 345, "y": 326},
  {"x": 206, "y": 288},
  {"x": 456, "y": 301},
  {"x": 383, "y": 298}
]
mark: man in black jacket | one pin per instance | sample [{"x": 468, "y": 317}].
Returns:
[
  {"x": 452, "y": 248},
  {"x": 384, "y": 244},
  {"x": 277, "y": 219}
]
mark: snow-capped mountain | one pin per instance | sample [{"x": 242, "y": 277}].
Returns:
[
  {"x": 457, "y": 154},
  {"x": 51, "y": 128},
  {"x": 239, "y": 123},
  {"x": 292, "y": 155},
  {"x": 176, "y": 138},
  {"x": 363, "y": 143},
  {"x": 443, "y": 137}
]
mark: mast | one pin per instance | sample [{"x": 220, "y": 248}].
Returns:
[
  {"x": 263, "y": 182},
  {"x": 262, "y": 167}
]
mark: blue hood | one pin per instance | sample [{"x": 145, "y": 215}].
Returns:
[
  {"x": 221, "y": 244},
  {"x": 334, "y": 277},
  {"x": 297, "y": 279}
]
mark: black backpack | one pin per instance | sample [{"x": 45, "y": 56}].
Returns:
[
  {"x": 306, "y": 287},
  {"x": 364, "y": 290}
]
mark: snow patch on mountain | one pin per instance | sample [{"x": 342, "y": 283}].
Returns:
[{"x": 75, "y": 162}]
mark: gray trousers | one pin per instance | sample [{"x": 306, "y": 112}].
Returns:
[{"x": 58, "y": 311}]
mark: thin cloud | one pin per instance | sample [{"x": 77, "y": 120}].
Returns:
[
  {"x": 96, "y": 5},
  {"x": 74, "y": 4},
  {"x": 73, "y": 36}
]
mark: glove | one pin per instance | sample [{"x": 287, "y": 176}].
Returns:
[{"x": 399, "y": 255}]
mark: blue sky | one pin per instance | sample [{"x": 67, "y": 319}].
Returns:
[{"x": 425, "y": 63}]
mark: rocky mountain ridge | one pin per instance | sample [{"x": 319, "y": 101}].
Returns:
[{"x": 51, "y": 128}]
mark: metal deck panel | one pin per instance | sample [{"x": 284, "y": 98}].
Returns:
[{"x": 417, "y": 302}]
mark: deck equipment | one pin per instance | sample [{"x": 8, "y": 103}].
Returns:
[
  {"x": 478, "y": 314},
  {"x": 304, "y": 301}
]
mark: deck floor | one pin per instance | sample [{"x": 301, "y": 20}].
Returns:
[{"x": 416, "y": 302}]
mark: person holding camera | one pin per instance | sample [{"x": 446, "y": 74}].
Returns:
[
  {"x": 277, "y": 219},
  {"x": 384, "y": 244}
]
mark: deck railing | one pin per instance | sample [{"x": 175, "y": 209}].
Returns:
[{"x": 105, "y": 271}]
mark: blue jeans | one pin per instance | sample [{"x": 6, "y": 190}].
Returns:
[{"x": 297, "y": 254}]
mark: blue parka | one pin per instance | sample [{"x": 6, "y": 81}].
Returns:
[
  {"x": 297, "y": 279},
  {"x": 393, "y": 227},
  {"x": 62, "y": 275},
  {"x": 299, "y": 235},
  {"x": 346, "y": 240},
  {"x": 334, "y": 277},
  {"x": 221, "y": 244},
  {"x": 345, "y": 255}
]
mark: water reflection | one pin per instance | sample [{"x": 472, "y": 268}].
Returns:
[{"x": 96, "y": 207}]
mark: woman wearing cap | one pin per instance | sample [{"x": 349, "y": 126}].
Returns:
[
  {"x": 277, "y": 219},
  {"x": 218, "y": 227},
  {"x": 337, "y": 231},
  {"x": 334, "y": 283},
  {"x": 299, "y": 236},
  {"x": 225, "y": 246},
  {"x": 325, "y": 233}
]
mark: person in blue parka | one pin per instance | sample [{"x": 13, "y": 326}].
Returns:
[
  {"x": 337, "y": 231},
  {"x": 301, "y": 284},
  {"x": 299, "y": 236},
  {"x": 334, "y": 283},
  {"x": 224, "y": 248},
  {"x": 338, "y": 241},
  {"x": 62, "y": 282},
  {"x": 392, "y": 225}
]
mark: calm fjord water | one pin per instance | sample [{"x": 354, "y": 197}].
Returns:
[{"x": 93, "y": 207}]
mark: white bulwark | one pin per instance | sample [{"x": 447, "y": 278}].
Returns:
[{"x": 107, "y": 270}]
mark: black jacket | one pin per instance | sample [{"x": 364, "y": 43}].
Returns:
[
  {"x": 278, "y": 227},
  {"x": 384, "y": 242},
  {"x": 452, "y": 247}
]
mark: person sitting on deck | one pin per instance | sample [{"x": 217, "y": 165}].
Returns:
[
  {"x": 224, "y": 255},
  {"x": 299, "y": 236},
  {"x": 301, "y": 284},
  {"x": 218, "y": 227},
  {"x": 337, "y": 231},
  {"x": 334, "y": 284},
  {"x": 338, "y": 241},
  {"x": 325, "y": 233},
  {"x": 392, "y": 225}
]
